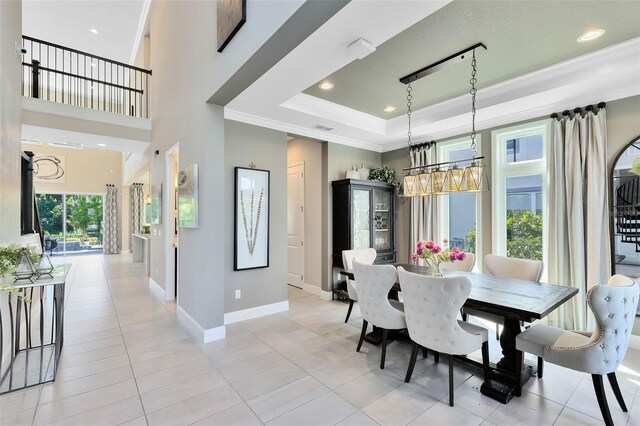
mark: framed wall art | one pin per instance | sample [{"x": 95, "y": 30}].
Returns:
[
  {"x": 231, "y": 15},
  {"x": 156, "y": 206},
  {"x": 251, "y": 219},
  {"x": 188, "y": 197}
]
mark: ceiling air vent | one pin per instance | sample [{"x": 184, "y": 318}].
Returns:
[
  {"x": 69, "y": 145},
  {"x": 323, "y": 127}
]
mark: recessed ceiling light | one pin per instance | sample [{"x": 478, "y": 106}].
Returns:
[
  {"x": 102, "y": 144},
  {"x": 94, "y": 31},
  {"x": 389, "y": 108},
  {"x": 590, "y": 35},
  {"x": 326, "y": 85}
]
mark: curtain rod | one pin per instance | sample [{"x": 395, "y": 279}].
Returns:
[
  {"x": 422, "y": 145},
  {"x": 578, "y": 110}
]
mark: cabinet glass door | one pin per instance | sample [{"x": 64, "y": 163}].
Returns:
[
  {"x": 361, "y": 218},
  {"x": 381, "y": 224}
]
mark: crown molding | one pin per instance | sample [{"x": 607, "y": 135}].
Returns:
[
  {"x": 318, "y": 107},
  {"x": 243, "y": 117},
  {"x": 142, "y": 24}
]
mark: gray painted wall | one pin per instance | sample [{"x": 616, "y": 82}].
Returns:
[
  {"x": 399, "y": 159},
  {"x": 311, "y": 153},
  {"x": 245, "y": 143},
  {"x": 10, "y": 120},
  {"x": 182, "y": 59}
]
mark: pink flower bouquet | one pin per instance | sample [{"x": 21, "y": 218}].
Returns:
[{"x": 435, "y": 254}]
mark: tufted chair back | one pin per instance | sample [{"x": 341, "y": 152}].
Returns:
[
  {"x": 614, "y": 307},
  {"x": 374, "y": 283},
  {"x": 511, "y": 267},
  {"x": 465, "y": 265},
  {"x": 431, "y": 307},
  {"x": 366, "y": 256}
]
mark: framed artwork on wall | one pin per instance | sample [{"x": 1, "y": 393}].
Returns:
[
  {"x": 231, "y": 15},
  {"x": 188, "y": 197},
  {"x": 251, "y": 219}
]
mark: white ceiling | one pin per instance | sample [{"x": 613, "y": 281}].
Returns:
[
  {"x": 277, "y": 101},
  {"x": 68, "y": 23}
]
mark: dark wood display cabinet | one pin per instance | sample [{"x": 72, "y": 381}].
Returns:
[{"x": 363, "y": 217}]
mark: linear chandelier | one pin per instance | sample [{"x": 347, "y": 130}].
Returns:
[{"x": 468, "y": 175}]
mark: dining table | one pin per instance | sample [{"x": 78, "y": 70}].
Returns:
[{"x": 515, "y": 301}]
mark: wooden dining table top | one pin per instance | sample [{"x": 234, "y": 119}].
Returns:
[{"x": 510, "y": 298}]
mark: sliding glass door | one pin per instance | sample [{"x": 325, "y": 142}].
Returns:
[{"x": 73, "y": 222}]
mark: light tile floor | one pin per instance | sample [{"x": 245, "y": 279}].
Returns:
[{"x": 127, "y": 361}]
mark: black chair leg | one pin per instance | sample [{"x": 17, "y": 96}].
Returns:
[
  {"x": 362, "y": 334},
  {"x": 384, "y": 348},
  {"x": 598, "y": 385},
  {"x": 485, "y": 360},
  {"x": 497, "y": 332},
  {"x": 464, "y": 316},
  {"x": 349, "y": 311},
  {"x": 451, "y": 380},
  {"x": 412, "y": 362},
  {"x": 540, "y": 367},
  {"x": 519, "y": 361},
  {"x": 436, "y": 357},
  {"x": 425, "y": 352},
  {"x": 616, "y": 390}
]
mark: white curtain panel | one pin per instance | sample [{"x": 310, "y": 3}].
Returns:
[
  {"x": 111, "y": 245},
  {"x": 136, "y": 207},
  {"x": 578, "y": 224},
  {"x": 424, "y": 210}
]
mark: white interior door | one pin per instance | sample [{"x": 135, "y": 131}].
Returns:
[{"x": 295, "y": 223}]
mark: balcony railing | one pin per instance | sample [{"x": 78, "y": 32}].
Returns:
[{"x": 64, "y": 75}]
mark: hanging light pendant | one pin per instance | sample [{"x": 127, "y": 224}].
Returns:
[
  {"x": 433, "y": 179},
  {"x": 409, "y": 186},
  {"x": 454, "y": 179},
  {"x": 424, "y": 184}
]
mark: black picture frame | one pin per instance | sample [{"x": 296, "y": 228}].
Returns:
[
  {"x": 251, "y": 218},
  {"x": 231, "y": 16}
]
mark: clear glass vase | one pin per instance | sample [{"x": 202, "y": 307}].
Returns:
[{"x": 435, "y": 271}]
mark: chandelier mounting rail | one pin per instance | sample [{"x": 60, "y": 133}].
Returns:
[{"x": 442, "y": 63}]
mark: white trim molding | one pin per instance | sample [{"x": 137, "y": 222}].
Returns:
[
  {"x": 156, "y": 290},
  {"x": 193, "y": 328},
  {"x": 310, "y": 288},
  {"x": 257, "y": 312}
]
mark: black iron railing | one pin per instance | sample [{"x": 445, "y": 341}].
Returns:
[
  {"x": 626, "y": 211},
  {"x": 69, "y": 76}
]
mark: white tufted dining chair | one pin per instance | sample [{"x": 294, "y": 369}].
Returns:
[
  {"x": 374, "y": 283},
  {"x": 465, "y": 265},
  {"x": 431, "y": 308},
  {"x": 601, "y": 352},
  {"x": 367, "y": 256},
  {"x": 506, "y": 267}
]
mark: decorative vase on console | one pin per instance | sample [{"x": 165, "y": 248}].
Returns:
[
  {"x": 434, "y": 254},
  {"x": 364, "y": 172}
]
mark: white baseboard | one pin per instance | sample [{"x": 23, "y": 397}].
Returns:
[
  {"x": 193, "y": 328},
  {"x": 326, "y": 295},
  {"x": 258, "y": 311},
  {"x": 125, "y": 251},
  {"x": 156, "y": 289},
  {"x": 311, "y": 289}
]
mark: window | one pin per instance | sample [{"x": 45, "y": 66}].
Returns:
[
  {"x": 458, "y": 212},
  {"x": 519, "y": 190}
]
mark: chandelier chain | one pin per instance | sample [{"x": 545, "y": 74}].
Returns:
[
  {"x": 409, "y": 98},
  {"x": 473, "y": 92}
]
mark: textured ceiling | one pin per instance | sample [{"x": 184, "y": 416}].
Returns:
[
  {"x": 521, "y": 36},
  {"x": 68, "y": 23}
]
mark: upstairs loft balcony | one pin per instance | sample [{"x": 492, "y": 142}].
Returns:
[{"x": 60, "y": 74}]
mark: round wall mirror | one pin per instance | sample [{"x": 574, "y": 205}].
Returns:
[{"x": 625, "y": 221}]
